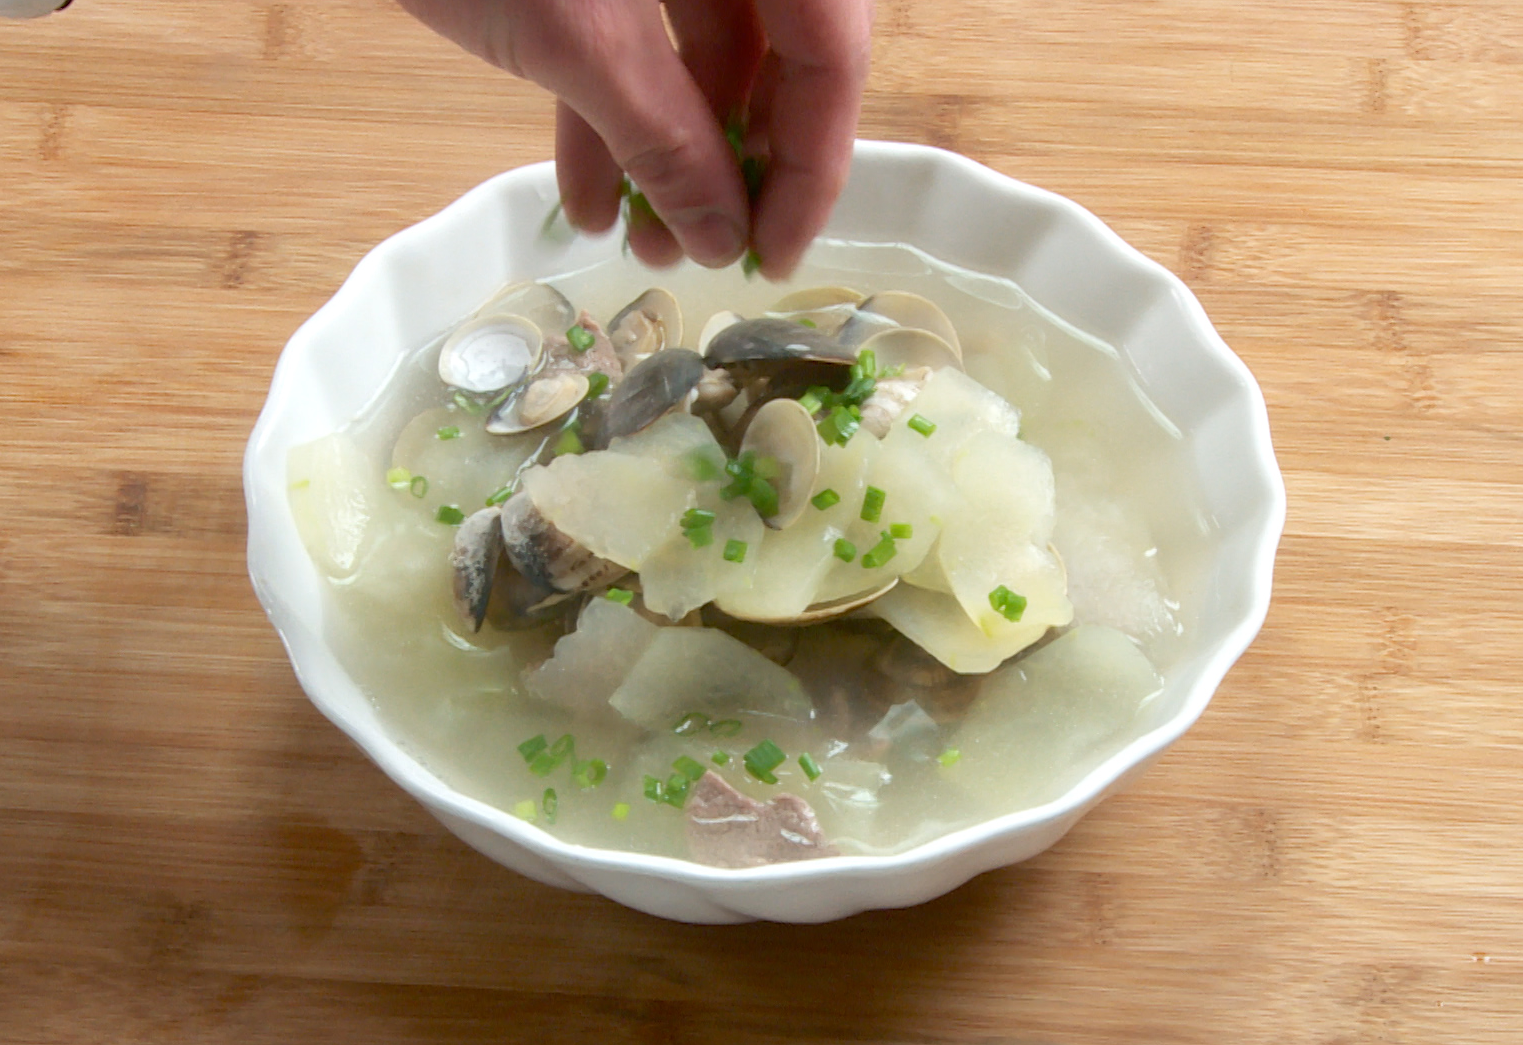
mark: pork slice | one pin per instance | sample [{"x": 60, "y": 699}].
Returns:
[{"x": 728, "y": 829}]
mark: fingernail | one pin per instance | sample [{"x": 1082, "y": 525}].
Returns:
[{"x": 709, "y": 239}]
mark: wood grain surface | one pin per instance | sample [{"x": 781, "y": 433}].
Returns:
[{"x": 189, "y": 853}]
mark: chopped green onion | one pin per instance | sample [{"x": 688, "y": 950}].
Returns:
[
  {"x": 701, "y": 467},
  {"x": 696, "y": 518},
  {"x": 700, "y": 536},
  {"x": 597, "y": 384},
  {"x": 725, "y": 727},
  {"x": 810, "y": 767},
  {"x": 805, "y": 321},
  {"x": 570, "y": 442},
  {"x": 398, "y": 478},
  {"x": 752, "y": 169},
  {"x": 589, "y": 773},
  {"x": 674, "y": 792},
  {"x": 692, "y": 722},
  {"x": 762, "y": 759},
  {"x": 466, "y": 403},
  {"x": 563, "y": 747},
  {"x": 498, "y": 399},
  {"x": 839, "y": 426},
  {"x": 763, "y": 496},
  {"x": 1007, "y": 603},
  {"x": 526, "y": 809},
  {"x": 867, "y": 363},
  {"x": 812, "y": 400},
  {"x": 872, "y": 504},
  {"x": 879, "y": 553},
  {"x": 544, "y": 764},
  {"x": 580, "y": 338},
  {"x": 447, "y": 432},
  {"x": 921, "y": 425},
  {"x": 450, "y": 515},
  {"x": 418, "y": 487},
  {"x": 621, "y": 811},
  {"x": 719, "y": 758},
  {"x": 735, "y": 134},
  {"x": 501, "y": 495},
  {"x": 826, "y": 498},
  {"x": 845, "y": 550},
  {"x": 532, "y": 747},
  {"x": 950, "y": 757},
  {"x": 734, "y": 551},
  {"x": 548, "y": 224},
  {"x": 750, "y": 263},
  {"x": 551, "y": 803},
  {"x": 762, "y": 465},
  {"x": 623, "y": 596},
  {"x": 654, "y": 789},
  {"x": 901, "y": 531},
  {"x": 689, "y": 767}
]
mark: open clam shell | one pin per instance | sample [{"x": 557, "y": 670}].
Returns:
[
  {"x": 547, "y": 398},
  {"x": 490, "y": 353},
  {"x": 657, "y": 385},
  {"x": 912, "y": 310},
  {"x": 541, "y": 304},
  {"x": 829, "y": 610},
  {"x": 769, "y": 339},
  {"x": 783, "y": 431},
  {"x": 911, "y": 347},
  {"x": 645, "y": 326}
]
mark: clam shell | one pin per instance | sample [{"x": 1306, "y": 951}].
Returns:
[
  {"x": 911, "y": 347},
  {"x": 541, "y": 304},
  {"x": 490, "y": 353},
  {"x": 783, "y": 430},
  {"x": 912, "y": 310},
  {"x": 545, "y": 399}
]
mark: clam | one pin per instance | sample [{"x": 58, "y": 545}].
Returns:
[
  {"x": 546, "y": 557},
  {"x": 478, "y": 547},
  {"x": 771, "y": 340},
  {"x": 542, "y": 305},
  {"x": 490, "y": 353},
  {"x": 911, "y": 347},
  {"x": 547, "y": 398},
  {"x": 656, "y": 386},
  {"x": 810, "y": 298},
  {"x": 912, "y": 310},
  {"x": 717, "y": 322},
  {"x": 783, "y": 431},
  {"x": 820, "y": 612},
  {"x": 645, "y": 326}
]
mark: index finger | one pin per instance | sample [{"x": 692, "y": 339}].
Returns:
[{"x": 821, "y": 50}]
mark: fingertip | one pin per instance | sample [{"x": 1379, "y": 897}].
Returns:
[
  {"x": 585, "y": 172},
  {"x": 652, "y": 242}
]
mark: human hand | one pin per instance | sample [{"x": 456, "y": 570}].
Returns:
[{"x": 630, "y": 102}]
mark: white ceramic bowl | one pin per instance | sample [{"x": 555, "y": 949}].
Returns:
[{"x": 415, "y": 284}]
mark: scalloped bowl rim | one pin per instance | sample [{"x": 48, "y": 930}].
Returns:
[{"x": 434, "y": 793}]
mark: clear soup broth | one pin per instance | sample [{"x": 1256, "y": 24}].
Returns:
[{"x": 897, "y": 748}]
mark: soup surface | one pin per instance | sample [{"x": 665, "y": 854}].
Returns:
[{"x": 738, "y": 741}]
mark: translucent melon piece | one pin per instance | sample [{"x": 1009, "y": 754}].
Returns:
[
  {"x": 617, "y": 505},
  {"x": 1043, "y": 722},
  {"x": 677, "y": 578},
  {"x": 701, "y": 669},
  {"x": 937, "y": 624},
  {"x": 406, "y": 572},
  {"x": 463, "y": 470},
  {"x": 335, "y": 493},
  {"x": 793, "y": 563},
  {"x": 589, "y": 664},
  {"x": 959, "y": 407},
  {"x": 999, "y": 537},
  {"x": 681, "y": 443},
  {"x": 918, "y": 492}
]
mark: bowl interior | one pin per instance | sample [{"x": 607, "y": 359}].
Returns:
[{"x": 418, "y": 283}]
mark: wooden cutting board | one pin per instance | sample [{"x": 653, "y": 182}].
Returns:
[{"x": 188, "y": 852}]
